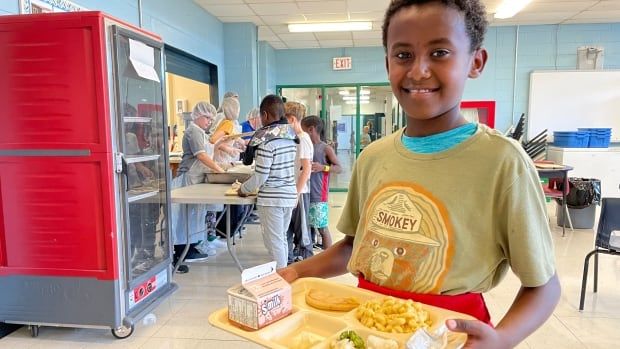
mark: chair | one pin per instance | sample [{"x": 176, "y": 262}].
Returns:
[{"x": 606, "y": 243}]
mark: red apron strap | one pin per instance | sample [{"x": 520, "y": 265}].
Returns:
[{"x": 469, "y": 303}]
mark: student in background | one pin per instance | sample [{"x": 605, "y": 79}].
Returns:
[
  {"x": 324, "y": 163},
  {"x": 439, "y": 211},
  {"x": 273, "y": 149},
  {"x": 299, "y": 237},
  {"x": 366, "y": 139}
]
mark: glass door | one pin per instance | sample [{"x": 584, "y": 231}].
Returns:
[
  {"x": 311, "y": 97},
  {"x": 354, "y": 116},
  {"x": 341, "y": 128},
  {"x": 377, "y": 113},
  {"x": 140, "y": 105}
]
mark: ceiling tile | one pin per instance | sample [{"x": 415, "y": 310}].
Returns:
[
  {"x": 606, "y": 5},
  {"x": 292, "y": 18},
  {"x": 327, "y": 17},
  {"x": 375, "y": 34},
  {"x": 218, "y": 2},
  {"x": 302, "y": 44},
  {"x": 272, "y": 9},
  {"x": 336, "y": 43},
  {"x": 322, "y": 7},
  {"x": 366, "y": 16},
  {"x": 265, "y": 31},
  {"x": 367, "y": 42},
  {"x": 367, "y": 5},
  {"x": 598, "y": 15},
  {"x": 252, "y": 19},
  {"x": 558, "y": 6},
  {"x": 278, "y": 45},
  {"x": 297, "y": 36},
  {"x": 553, "y": 16},
  {"x": 229, "y": 10},
  {"x": 279, "y": 29},
  {"x": 268, "y": 1},
  {"x": 589, "y": 20},
  {"x": 334, "y": 36}
]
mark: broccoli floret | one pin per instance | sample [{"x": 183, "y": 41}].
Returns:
[{"x": 358, "y": 342}]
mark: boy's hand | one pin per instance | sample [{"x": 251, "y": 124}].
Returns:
[
  {"x": 479, "y": 334},
  {"x": 241, "y": 194},
  {"x": 289, "y": 274},
  {"x": 316, "y": 167}
]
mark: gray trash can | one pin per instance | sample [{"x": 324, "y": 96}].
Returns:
[
  {"x": 582, "y": 218},
  {"x": 584, "y": 194}
]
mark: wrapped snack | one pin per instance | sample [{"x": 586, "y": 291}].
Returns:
[{"x": 422, "y": 339}]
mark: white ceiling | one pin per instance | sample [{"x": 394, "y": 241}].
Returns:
[{"x": 272, "y": 17}]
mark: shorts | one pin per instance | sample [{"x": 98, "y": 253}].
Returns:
[{"x": 319, "y": 215}]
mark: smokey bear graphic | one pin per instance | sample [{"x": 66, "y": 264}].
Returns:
[{"x": 406, "y": 241}]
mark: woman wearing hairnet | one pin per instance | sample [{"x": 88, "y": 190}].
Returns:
[
  {"x": 196, "y": 161},
  {"x": 225, "y": 150}
]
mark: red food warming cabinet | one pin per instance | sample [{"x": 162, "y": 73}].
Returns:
[{"x": 84, "y": 239}]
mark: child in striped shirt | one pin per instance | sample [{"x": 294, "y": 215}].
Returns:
[{"x": 273, "y": 148}]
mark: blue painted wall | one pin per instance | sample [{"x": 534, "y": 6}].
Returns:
[
  {"x": 186, "y": 26},
  {"x": 241, "y": 55},
  {"x": 266, "y": 69},
  {"x": 545, "y": 47},
  {"x": 314, "y": 66},
  {"x": 181, "y": 24},
  {"x": 9, "y": 7}
]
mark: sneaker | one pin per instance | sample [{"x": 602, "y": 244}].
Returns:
[
  {"x": 194, "y": 255},
  {"x": 207, "y": 248},
  {"x": 183, "y": 269},
  {"x": 218, "y": 243}
]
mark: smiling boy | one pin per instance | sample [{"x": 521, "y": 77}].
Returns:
[{"x": 471, "y": 198}]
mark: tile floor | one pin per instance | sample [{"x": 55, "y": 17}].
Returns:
[{"x": 182, "y": 319}]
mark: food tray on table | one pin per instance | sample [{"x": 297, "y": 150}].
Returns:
[{"x": 325, "y": 326}]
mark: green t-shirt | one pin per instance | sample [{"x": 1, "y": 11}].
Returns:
[{"x": 449, "y": 222}]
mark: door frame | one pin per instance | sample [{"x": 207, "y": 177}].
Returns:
[{"x": 323, "y": 115}]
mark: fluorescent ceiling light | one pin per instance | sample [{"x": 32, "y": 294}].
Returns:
[
  {"x": 364, "y": 92},
  {"x": 329, "y": 27},
  {"x": 509, "y": 8},
  {"x": 343, "y": 92},
  {"x": 361, "y": 102}
]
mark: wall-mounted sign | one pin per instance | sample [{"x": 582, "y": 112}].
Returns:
[
  {"x": 342, "y": 63},
  {"x": 43, "y": 6}
]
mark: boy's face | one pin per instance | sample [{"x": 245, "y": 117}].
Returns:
[
  {"x": 429, "y": 60},
  {"x": 311, "y": 131}
]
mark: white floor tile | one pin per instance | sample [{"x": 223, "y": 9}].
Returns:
[{"x": 182, "y": 320}]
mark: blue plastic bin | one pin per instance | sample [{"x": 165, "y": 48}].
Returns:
[
  {"x": 571, "y": 139},
  {"x": 599, "y": 137}
]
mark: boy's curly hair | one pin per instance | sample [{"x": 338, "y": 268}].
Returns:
[{"x": 473, "y": 11}]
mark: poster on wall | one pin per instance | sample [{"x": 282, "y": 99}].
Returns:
[{"x": 45, "y": 6}]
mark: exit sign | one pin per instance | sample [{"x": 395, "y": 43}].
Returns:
[{"x": 342, "y": 63}]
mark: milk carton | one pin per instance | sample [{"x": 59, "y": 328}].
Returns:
[{"x": 262, "y": 297}]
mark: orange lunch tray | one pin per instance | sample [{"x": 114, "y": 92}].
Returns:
[{"x": 328, "y": 325}]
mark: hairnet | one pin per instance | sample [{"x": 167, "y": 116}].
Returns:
[
  {"x": 232, "y": 94},
  {"x": 203, "y": 109},
  {"x": 253, "y": 113},
  {"x": 230, "y": 108}
]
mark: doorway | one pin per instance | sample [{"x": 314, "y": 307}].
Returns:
[{"x": 354, "y": 116}]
